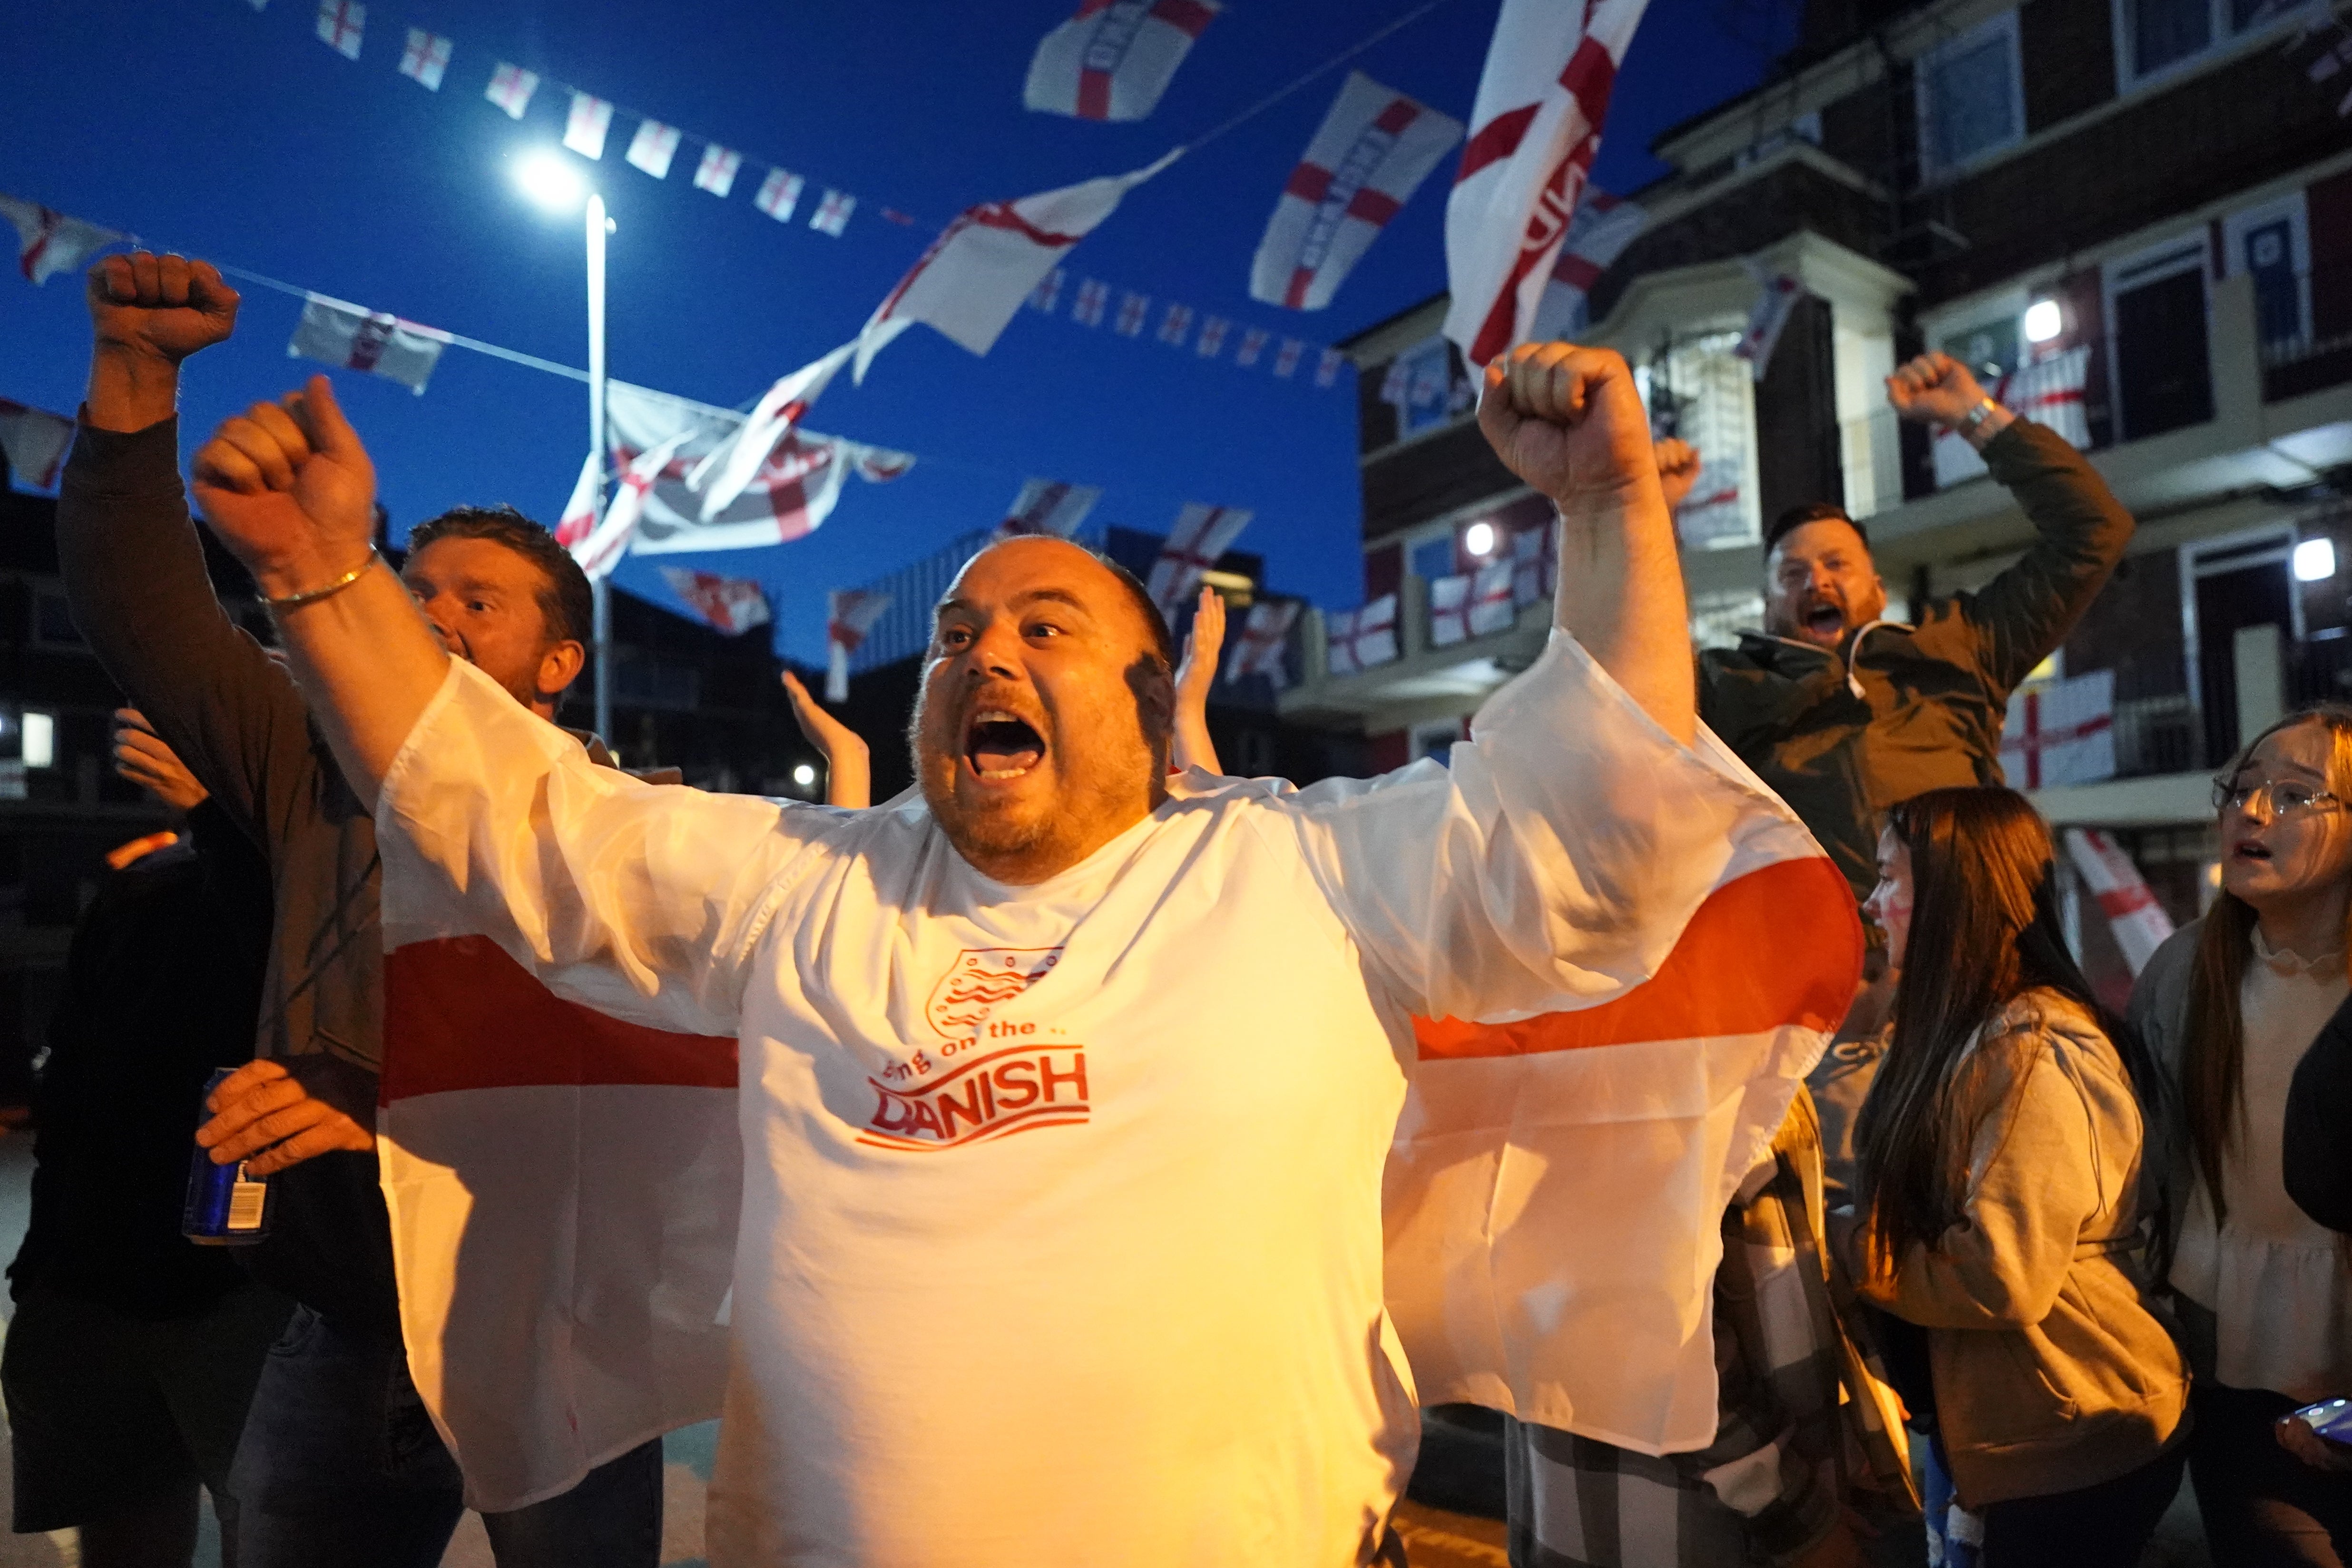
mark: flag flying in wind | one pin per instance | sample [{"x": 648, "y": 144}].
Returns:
[
  {"x": 1115, "y": 57},
  {"x": 1534, "y": 130},
  {"x": 334, "y": 333},
  {"x": 732, "y": 605},
  {"x": 49, "y": 243},
  {"x": 579, "y": 519},
  {"x": 614, "y": 536},
  {"x": 1264, "y": 640},
  {"x": 653, "y": 147},
  {"x": 585, "y": 128},
  {"x": 721, "y": 476},
  {"x": 426, "y": 60},
  {"x": 1777, "y": 297},
  {"x": 850, "y": 614},
  {"x": 1365, "y": 161},
  {"x": 2137, "y": 921},
  {"x": 1202, "y": 535},
  {"x": 973, "y": 279},
  {"x": 1597, "y": 236},
  {"x": 716, "y": 172},
  {"x": 1053, "y": 507},
  {"x": 36, "y": 441},
  {"x": 511, "y": 89}
]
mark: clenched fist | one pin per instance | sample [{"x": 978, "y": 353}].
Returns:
[
  {"x": 165, "y": 307},
  {"x": 1677, "y": 470},
  {"x": 1933, "y": 389},
  {"x": 289, "y": 489},
  {"x": 1567, "y": 421}
]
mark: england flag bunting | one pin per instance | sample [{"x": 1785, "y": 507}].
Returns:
[
  {"x": 653, "y": 147},
  {"x": 1052, "y": 507},
  {"x": 732, "y": 605},
  {"x": 585, "y": 128},
  {"x": 850, "y": 614},
  {"x": 1253, "y": 344},
  {"x": 36, "y": 441},
  {"x": 1286, "y": 358},
  {"x": 1133, "y": 309},
  {"x": 779, "y": 194},
  {"x": 832, "y": 215},
  {"x": 1048, "y": 292},
  {"x": 511, "y": 87},
  {"x": 1202, "y": 535},
  {"x": 1372, "y": 151},
  {"x": 1176, "y": 324},
  {"x": 1211, "y": 341},
  {"x": 716, "y": 172},
  {"x": 340, "y": 23},
  {"x": 1327, "y": 366},
  {"x": 1115, "y": 57},
  {"x": 49, "y": 243},
  {"x": 2137, "y": 921},
  {"x": 972, "y": 280},
  {"x": 1597, "y": 236},
  {"x": 1087, "y": 309},
  {"x": 335, "y": 333},
  {"x": 1777, "y": 297},
  {"x": 1263, "y": 642},
  {"x": 1534, "y": 130},
  {"x": 426, "y": 60},
  {"x": 722, "y": 475}
]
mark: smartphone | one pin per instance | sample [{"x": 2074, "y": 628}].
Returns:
[{"x": 2331, "y": 1418}]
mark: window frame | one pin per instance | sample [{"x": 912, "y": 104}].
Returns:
[
  {"x": 1933, "y": 167},
  {"x": 2220, "y": 40},
  {"x": 2296, "y": 210},
  {"x": 2178, "y": 252}
]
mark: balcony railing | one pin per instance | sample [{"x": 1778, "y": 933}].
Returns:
[{"x": 2304, "y": 324}]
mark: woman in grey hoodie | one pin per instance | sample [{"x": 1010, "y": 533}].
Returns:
[{"x": 1999, "y": 1164}]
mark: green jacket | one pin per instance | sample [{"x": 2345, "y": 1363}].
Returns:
[{"x": 1908, "y": 708}]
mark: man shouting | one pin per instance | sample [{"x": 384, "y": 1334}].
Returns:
[{"x": 1067, "y": 1088}]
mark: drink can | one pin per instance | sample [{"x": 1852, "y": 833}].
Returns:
[{"x": 224, "y": 1206}]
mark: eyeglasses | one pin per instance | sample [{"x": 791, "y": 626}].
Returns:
[{"x": 2288, "y": 799}]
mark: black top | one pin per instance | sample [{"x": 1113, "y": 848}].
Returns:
[
  {"x": 161, "y": 985},
  {"x": 2317, "y": 1150}
]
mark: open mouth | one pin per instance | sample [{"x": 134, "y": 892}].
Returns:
[
  {"x": 1825, "y": 621},
  {"x": 2249, "y": 850},
  {"x": 999, "y": 746}
]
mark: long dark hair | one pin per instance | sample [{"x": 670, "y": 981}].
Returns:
[
  {"x": 2213, "y": 1044},
  {"x": 1985, "y": 929}
]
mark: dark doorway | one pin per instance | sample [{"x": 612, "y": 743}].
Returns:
[
  {"x": 2232, "y": 594},
  {"x": 2163, "y": 371}
]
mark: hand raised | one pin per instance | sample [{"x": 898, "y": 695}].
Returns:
[
  {"x": 165, "y": 307},
  {"x": 289, "y": 490},
  {"x": 1677, "y": 470},
  {"x": 1197, "y": 672},
  {"x": 1933, "y": 389},
  {"x": 847, "y": 762},
  {"x": 1567, "y": 421}
]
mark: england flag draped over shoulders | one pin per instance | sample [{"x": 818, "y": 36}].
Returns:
[
  {"x": 1202, "y": 535},
  {"x": 1115, "y": 57},
  {"x": 49, "y": 242},
  {"x": 976, "y": 273},
  {"x": 333, "y": 331},
  {"x": 1370, "y": 154},
  {"x": 1534, "y": 130}
]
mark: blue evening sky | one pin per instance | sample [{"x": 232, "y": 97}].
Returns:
[{"x": 204, "y": 126}]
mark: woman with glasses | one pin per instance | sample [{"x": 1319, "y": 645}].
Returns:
[
  {"x": 1998, "y": 1163},
  {"x": 2231, "y": 1006}
]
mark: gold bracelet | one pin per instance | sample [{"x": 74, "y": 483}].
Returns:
[{"x": 315, "y": 594}]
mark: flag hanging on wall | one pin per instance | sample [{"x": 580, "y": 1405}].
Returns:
[
  {"x": 850, "y": 614},
  {"x": 1202, "y": 535},
  {"x": 335, "y": 333},
  {"x": 1372, "y": 151},
  {"x": 425, "y": 58},
  {"x": 1054, "y": 507},
  {"x": 36, "y": 441},
  {"x": 1534, "y": 130},
  {"x": 49, "y": 242},
  {"x": 732, "y": 605},
  {"x": 511, "y": 89},
  {"x": 1115, "y": 57},
  {"x": 1603, "y": 227}
]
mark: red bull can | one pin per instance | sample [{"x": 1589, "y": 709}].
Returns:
[{"x": 224, "y": 1206}]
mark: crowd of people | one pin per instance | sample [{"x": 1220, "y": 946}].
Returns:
[{"x": 2059, "y": 1256}]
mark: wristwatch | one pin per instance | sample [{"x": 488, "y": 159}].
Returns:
[{"x": 1976, "y": 415}]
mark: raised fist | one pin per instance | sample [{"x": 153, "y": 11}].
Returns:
[
  {"x": 1567, "y": 421},
  {"x": 289, "y": 489},
  {"x": 167, "y": 307},
  {"x": 1933, "y": 389},
  {"x": 1677, "y": 470}
]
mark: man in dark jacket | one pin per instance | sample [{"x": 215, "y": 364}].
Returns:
[{"x": 340, "y": 1463}]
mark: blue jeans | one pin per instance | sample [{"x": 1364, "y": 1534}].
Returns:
[{"x": 341, "y": 1465}]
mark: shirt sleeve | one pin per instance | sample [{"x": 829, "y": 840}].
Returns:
[
  {"x": 2082, "y": 531},
  {"x": 1553, "y": 865},
  {"x": 644, "y": 901}
]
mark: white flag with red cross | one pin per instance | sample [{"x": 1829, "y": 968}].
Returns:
[
  {"x": 1211, "y": 341},
  {"x": 36, "y": 441},
  {"x": 1048, "y": 292},
  {"x": 1252, "y": 345},
  {"x": 832, "y": 215},
  {"x": 616, "y": 532},
  {"x": 1050, "y": 506},
  {"x": 2061, "y": 732},
  {"x": 426, "y": 60},
  {"x": 2049, "y": 390},
  {"x": 511, "y": 87},
  {"x": 653, "y": 147},
  {"x": 1372, "y": 150},
  {"x": 1449, "y": 610},
  {"x": 779, "y": 194},
  {"x": 722, "y": 475},
  {"x": 732, "y": 605},
  {"x": 2137, "y": 921},
  {"x": 1264, "y": 642},
  {"x": 972, "y": 280},
  {"x": 716, "y": 172},
  {"x": 1203, "y": 534},
  {"x": 1087, "y": 309},
  {"x": 1492, "y": 606},
  {"x": 1597, "y": 236},
  {"x": 1775, "y": 302},
  {"x": 585, "y": 127},
  {"x": 49, "y": 242},
  {"x": 1535, "y": 128},
  {"x": 850, "y": 614},
  {"x": 1133, "y": 309},
  {"x": 579, "y": 519},
  {"x": 341, "y": 24},
  {"x": 333, "y": 331},
  {"x": 1176, "y": 324},
  {"x": 1327, "y": 366},
  {"x": 1356, "y": 640},
  {"x": 1286, "y": 358},
  {"x": 1115, "y": 57}
]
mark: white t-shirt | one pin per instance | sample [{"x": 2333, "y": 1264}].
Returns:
[{"x": 1061, "y": 1232}]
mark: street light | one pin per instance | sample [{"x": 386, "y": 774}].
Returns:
[
  {"x": 1479, "y": 540},
  {"x": 551, "y": 181}
]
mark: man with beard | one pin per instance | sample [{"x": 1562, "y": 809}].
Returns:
[{"x": 1067, "y": 1086}]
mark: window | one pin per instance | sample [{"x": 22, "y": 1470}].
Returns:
[
  {"x": 2161, "y": 366},
  {"x": 1969, "y": 94},
  {"x": 2273, "y": 244},
  {"x": 2154, "y": 37},
  {"x": 1434, "y": 558},
  {"x": 1701, "y": 391}
]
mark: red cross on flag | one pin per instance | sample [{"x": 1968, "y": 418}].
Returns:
[
  {"x": 970, "y": 281},
  {"x": 1491, "y": 605},
  {"x": 1286, "y": 358},
  {"x": 1357, "y": 640},
  {"x": 1115, "y": 57},
  {"x": 1534, "y": 130},
  {"x": 1087, "y": 309},
  {"x": 716, "y": 172},
  {"x": 36, "y": 441},
  {"x": 1774, "y": 304},
  {"x": 49, "y": 242},
  {"x": 425, "y": 58},
  {"x": 1373, "y": 149},
  {"x": 1597, "y": 236},
  {"x": 511, "y": 89},
  {"x": 779, "y": 194},
  {"x": 2061, "y": 732},
  {"x": 1327, "y": 366},
  {"x": 832, "y": 215},
  {"x": 1176, "y": 324},
  {"x": 2137, "y": 921},
  {"x": 1132, "y": 310},
  {"x": 1054, "y": 507},
  {"x": 1253, "y": 344},
  {"x": 611, "y": 538},
  {"x": 585, "y": 128},
  {"x": 1264, "y": 641},
  {"x": 732, "y": 605},
  {"x": 334, "y": 333},
  {"x": 653, "y": 147},
  {"x": 2049, "y": 390},
  {"x": 721, "y": 476},
  {"x": 1211, "y": 341},
  {"x": 1202, "y": 535},
  {"x": 340, "y": 23},
  {"x": 579, "y": 519},
  {"x": 1449, "y": 610},
  {"x": 850, "y": 614},
  {"x": 1048, "y": 292}
]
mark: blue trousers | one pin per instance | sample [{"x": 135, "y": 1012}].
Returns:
[{"x": 340, "y": 1464}]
